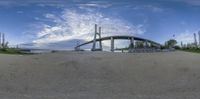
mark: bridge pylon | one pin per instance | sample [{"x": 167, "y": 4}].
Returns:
[{"x": 95, "y": 38}]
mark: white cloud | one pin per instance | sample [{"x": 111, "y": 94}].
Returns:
[
  {"x": 76, "y": 25},
  {"x": 186, "y": 37}
]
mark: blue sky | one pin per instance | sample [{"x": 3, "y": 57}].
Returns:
[{"x": 46, "y": 23}]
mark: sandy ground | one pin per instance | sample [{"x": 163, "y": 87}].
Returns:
[{"x": 100, "y": 75}]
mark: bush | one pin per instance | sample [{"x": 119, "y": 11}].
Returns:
[
  {"x": 196, "y": 50},
  {"x": 177, "y": 47}
]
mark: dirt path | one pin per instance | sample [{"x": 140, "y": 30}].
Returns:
[{"x": 100, "y": 75}]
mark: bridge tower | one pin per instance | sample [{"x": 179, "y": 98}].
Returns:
[{"x": 95, "y": 38}]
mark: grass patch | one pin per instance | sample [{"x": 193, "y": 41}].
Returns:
[
  {"x": 194, "y": 50},
  {"x": 10, "y": 51}
]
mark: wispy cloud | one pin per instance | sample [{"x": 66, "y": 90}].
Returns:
[
  {"x": 152, "y": 8},
  {"x": 190, "y": 2},
  {"x": 193, "y": 2},
  {"x": 11, "y": 3},
  {"x": 75, "y": 25},
  {"x": 95, "y": 5},
  {"x": 20, "y": 12}
]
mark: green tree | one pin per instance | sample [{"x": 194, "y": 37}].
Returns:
[
  {"x": 170, "y": 43},
  {"x": 139, "y": 44}
]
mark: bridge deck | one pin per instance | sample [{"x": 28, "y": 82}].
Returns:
[{"x": 119, "y": 37}]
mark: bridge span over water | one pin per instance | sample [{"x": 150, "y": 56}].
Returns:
[
  {"x": 132, "y": 39},
  {"x": 123, "y": 37}
]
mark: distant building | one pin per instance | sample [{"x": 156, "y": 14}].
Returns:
[{"x": 181, "y": 44}]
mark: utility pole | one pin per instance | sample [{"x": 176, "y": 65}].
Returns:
[
  {"x": 3, "y": 40},
  {"x": 0, "y": 40},
  {"x": 195, "y": 40},
  {"x": 199, "y": 38}
]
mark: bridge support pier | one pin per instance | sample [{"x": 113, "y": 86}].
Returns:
[
  {"x": 133, "y": 42},
  {"x": 146, "y": 44},
  {"x": 100, "y": 44},
  {"x": 132, "y": 45},
  {"x": 112, "y": 44}
]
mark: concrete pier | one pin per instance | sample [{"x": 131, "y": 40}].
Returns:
[
  {"x": 100, "y": 44},
  {"x": 94, "y": 40},
  {"x": 132, "y": 42},
  {"x": 145, "y": 44},
  {"x": 112, "y": 44}
]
